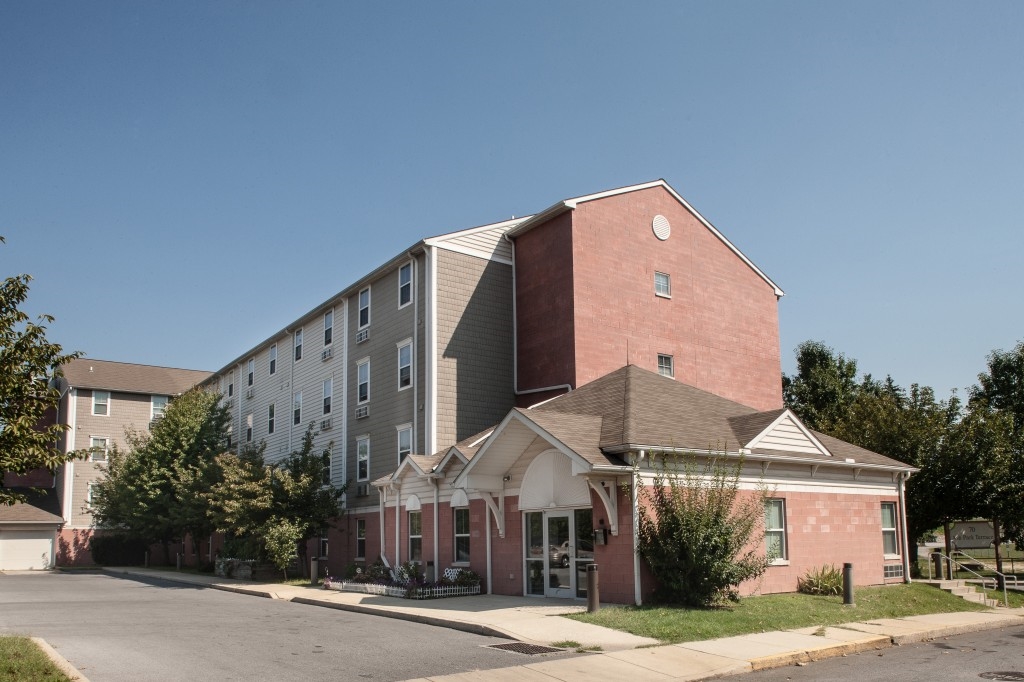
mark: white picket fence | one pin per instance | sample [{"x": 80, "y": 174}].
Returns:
[{"x": 434, "y": 592}]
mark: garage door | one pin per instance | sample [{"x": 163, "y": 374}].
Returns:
[{"x": 22, "y": 550}]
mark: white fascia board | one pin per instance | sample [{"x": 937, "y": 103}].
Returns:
[
  {"x": 799, "y": 425},
  {"x": 438, "y": 240},
  {"x": 833, "y": 462}
]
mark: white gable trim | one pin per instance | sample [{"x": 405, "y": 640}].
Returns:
[{"x": 774, "y": 438}]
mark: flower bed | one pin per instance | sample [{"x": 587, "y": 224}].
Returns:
[
  {"x": 408, "y": 583},
  {"x": 403, "y": 592}
]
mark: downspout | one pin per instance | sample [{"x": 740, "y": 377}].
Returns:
[
  {"x": 416, "y": 348},
  {"x": 291, "y": 388},
  {"x": 430, "y": 374},
  {"x": 437, "y": 525},
  {"x": 382, "y": 500},
  {"x": 901, "y": 484},
  {"x": 344, "y": 401},
  {"x": 69, "y": 446},
  {"x": 635, "y": 503},
  {"x": 487, "y": 515},
  {"x": 398, "y": 527},
  {"x": 515, "y": 337}
]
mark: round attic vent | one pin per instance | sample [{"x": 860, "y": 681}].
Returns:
[{"x": 661, "y": 227}]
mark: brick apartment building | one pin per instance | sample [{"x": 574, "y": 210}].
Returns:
[{"x": 632, "y": 325}]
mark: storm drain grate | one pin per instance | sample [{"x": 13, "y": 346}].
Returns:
[
  {"x": 528, "y": 649},
  {"x": 1011, "y": 676}
]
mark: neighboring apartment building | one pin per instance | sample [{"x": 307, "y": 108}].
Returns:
[
  {"x": 443, "y": 342},
  {"x": 100, "y": 401}
]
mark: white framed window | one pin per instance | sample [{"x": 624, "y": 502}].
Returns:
[
  {"x": 364, "y": 308},
  {"x": 250, "y": 369},
  {"x": 157, "y": 406},
  {"x": 363, "y": 381},
  {"x": 273, "y": 360},
  {"x": 297, "y": 408},
  {"x": 889, "y": 545},
  {"x": 662, "y": 285},
  {"x": 323, "y": 543},
  {"x": 248, "y": 428},
  {"x": 328, "y": 327},
  {"x": 271, "y": 409},
  {"x": 404, "y": 441},
  {"x": 405, "y": 285},
  {"x": 325, "y": 473},
  {"x": 363, "y": 458},
  {"x": 89, "y": 495},
  {"x": 360, "y": 538},
  {"x": 101, "y": 403},
  {"x": 231, "y": 383},
  {"x": 229, "y": 436},
  {"x": 416, "y": 536},
  {"x": 328, "y": 389},
  {"x": 461, "y": 520},
  {"x": 666, "y": 365},
  {"x": 775, "y": 529},
  {"x": 99, "y": 446},
  {"x": 298, "y": 345},
  {"x": 404, "y": 364}
]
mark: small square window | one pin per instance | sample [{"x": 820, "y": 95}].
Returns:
[
  {"x": 98, "y": 448},
  {"x": 663, "y": 284},
  {"x": 666, "y": 367},
  {"x": 158, "y": 406}
]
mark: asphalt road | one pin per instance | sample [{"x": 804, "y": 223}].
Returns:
[
  {"x": 989, "y": 655},
  {"x": 118, "y": 628}
]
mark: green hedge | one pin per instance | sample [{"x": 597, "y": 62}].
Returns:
[{"x": 116, "y": 549}]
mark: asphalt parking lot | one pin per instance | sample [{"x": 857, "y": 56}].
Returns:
[{"x": 117, "y": 628}]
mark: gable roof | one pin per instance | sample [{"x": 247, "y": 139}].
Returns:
[
  {"x": 126, "y": 377},
  {"x": 640, "y": 409},
  {"x": 40, "y": 506},
  {"x": 571, "y": 204}
]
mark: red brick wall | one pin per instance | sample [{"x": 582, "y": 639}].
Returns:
[
  {"x": 544, "y": 307},
  {"x": 721, "y": 324}
]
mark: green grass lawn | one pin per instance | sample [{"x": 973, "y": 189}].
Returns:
[
  {"x": 22, "y": 661},
  {"x": 777, "y": 612}
]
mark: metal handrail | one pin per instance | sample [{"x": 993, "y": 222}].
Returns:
[
  {"x": 1005, "y": 576},
  {"x": 983, "y": 579}
]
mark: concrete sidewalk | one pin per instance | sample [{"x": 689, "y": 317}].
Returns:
[{"x": 530, "y": 620}]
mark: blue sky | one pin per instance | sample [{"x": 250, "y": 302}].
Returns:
[{"x": 183, "y": 179}]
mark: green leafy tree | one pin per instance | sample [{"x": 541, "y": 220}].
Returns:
[
  {"x": 1001, "y": 388},
  {"x": 155, "y": 488},
  {"x": 29, "y": 368},
  {"x": 281, "y": 537},
  {"x": 823, "y": 388},
  {"x": 255, "y": 498},
  {"x": 700, "y": 536}
]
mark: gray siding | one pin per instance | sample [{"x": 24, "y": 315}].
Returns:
[{"x": 474, "y": 345}]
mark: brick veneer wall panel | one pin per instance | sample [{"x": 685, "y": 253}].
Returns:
[
  {"x": 544, "y": 306},
  {"x": 720, "y": 325}
]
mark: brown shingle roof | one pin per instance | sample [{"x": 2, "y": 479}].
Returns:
[
  {"x": 39, "y": 507},
  {"x": 641, "y": 408},
  {"x": 130, "y": 378}
]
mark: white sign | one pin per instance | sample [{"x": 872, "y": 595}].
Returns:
[{"x": 973, "y": 535}]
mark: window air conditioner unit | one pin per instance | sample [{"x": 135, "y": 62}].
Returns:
[
  {"x": 326, "y": 355},
  {"x": 362, "y": 411},
  {"x": 250, "y": 392},
  {"x": 362, "y": 335},
  {"x": 325, "y": 424}
]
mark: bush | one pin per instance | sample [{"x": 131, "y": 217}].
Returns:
[
  {"x": 697, "y": 534},
  {"x": 117, "y": 549},
  {"x": 827, "y": 580}
]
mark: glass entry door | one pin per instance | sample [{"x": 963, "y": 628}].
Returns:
[{"x": 557, "y": 552}]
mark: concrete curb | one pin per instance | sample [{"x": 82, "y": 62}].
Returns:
[
  {"x": 472, "y": 628},
  {"x": 59, "y": 661}
]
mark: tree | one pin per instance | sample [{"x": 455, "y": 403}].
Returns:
[
  {"x": 698, "y": 534},
  {"x": 1002, "y": 386},
  {"x": 283, "y": 499},
  {"x": 823, "y": 388},
  {"x": 29, "y": 368},
  {"x": 155, "y": 489}
]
